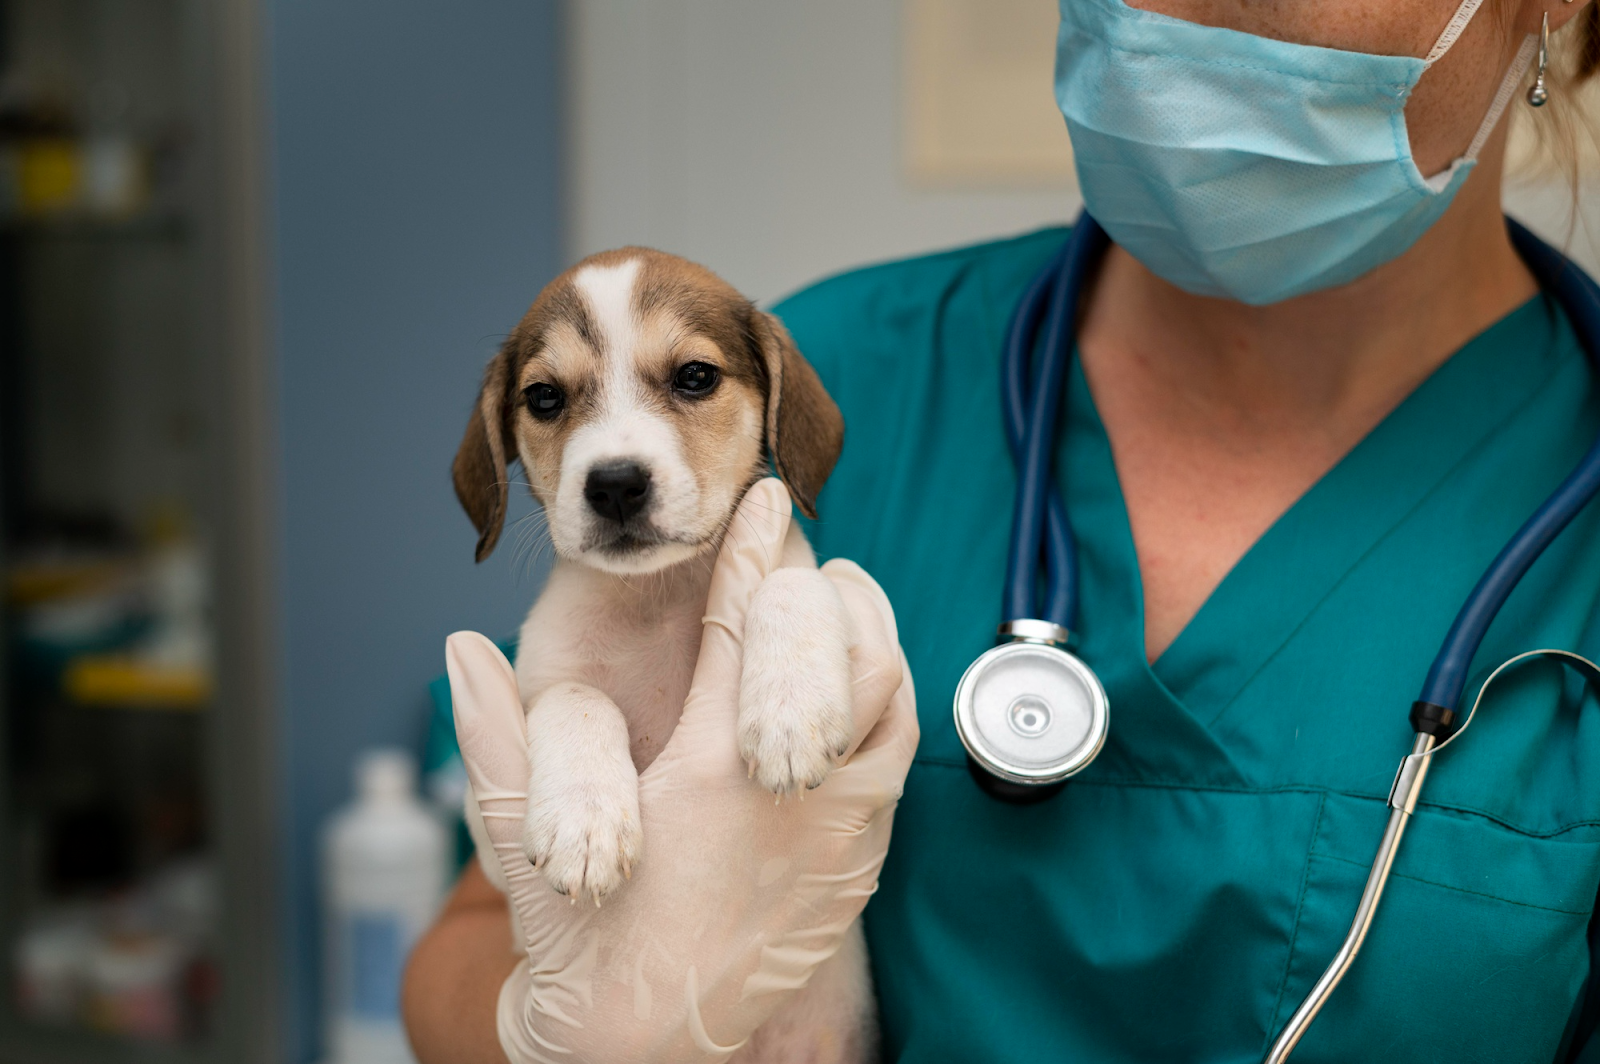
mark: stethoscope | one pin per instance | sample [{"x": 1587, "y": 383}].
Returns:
[{"x": 1032, "y": 714}]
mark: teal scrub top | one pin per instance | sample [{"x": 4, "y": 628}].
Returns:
[{"x": 1179, "y": 898}]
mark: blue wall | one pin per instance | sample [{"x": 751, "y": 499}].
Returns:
[{"x": 417, "y": 214}]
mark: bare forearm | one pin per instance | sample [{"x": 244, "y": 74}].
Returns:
[{"x": 453, "y": 979}]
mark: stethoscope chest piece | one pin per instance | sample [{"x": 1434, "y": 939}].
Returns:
[{"x": 1030, "y": 713}]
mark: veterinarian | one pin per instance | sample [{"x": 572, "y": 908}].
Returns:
[{"x": 1298, "y": 426}]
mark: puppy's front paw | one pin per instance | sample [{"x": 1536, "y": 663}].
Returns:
[
  {"x": 794, "y": 695},
  {"x": 583, "y": 840},
  {"x": 581, "y": 824}
]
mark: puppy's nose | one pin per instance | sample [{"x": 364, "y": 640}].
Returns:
[{"x": 617, "y": 490}]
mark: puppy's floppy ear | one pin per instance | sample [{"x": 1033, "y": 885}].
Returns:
[
  {"x": 480, "y": 465},
  {"x": 805, "y": 430}
]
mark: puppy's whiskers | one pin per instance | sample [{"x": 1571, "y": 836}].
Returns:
[{"x": 533, "y": 538}]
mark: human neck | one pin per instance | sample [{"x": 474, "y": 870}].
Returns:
[
  {"x": 1362, "y": 347},
  {"x": 1221, "y": 415}
]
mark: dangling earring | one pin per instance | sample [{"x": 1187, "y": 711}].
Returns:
[{"x": 1538, "y": 95}]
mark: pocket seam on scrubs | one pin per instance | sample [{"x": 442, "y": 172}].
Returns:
[
  {"x": 1460, "y": 890},
  {"x": 1483, "y": 814},
  {"x": 936, "y": 761}
]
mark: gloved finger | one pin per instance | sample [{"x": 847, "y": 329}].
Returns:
[
  {"x": 494, "y": 746},
  {"x": 896, "y": 733},
  {"x": 876, "y": 774},
  {"x": 752, "y": 548},
  {"x": 888, "y": 749},
  {"x": 875, "y": 669}
]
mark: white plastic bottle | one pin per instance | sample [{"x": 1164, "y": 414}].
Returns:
[{"x": 384, "y": 877}]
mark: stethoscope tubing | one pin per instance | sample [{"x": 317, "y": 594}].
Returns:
[
  {"x": 1031, "y": 399},
  {"x": 1580, "y": 297},
  {"x": 1016, "y": 390}
]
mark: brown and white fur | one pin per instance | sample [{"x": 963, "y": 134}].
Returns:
[{"x": 639, "y": 477}]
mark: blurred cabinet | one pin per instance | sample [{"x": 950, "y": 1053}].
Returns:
[{"x": 135, "y": 755}]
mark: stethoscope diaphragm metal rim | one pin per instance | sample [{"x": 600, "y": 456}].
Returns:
[{"x": 1031, "y": 713}]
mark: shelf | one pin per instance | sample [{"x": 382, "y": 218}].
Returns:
[
  {"x": 116, "y": 682},
  {"x": 41, "y": 580},
  {"x": 159, "y": 226},
  {"x": 29, "y": 1043}
]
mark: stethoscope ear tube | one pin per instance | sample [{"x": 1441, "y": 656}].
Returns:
[{"x": 1404, "y": 794}]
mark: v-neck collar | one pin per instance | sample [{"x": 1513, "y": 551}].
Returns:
[{"x": 1271, "y": 591}]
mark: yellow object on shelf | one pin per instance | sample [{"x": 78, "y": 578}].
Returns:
[
  {"x": 128, "y": 683},
  {"x": 37, "y": 581},
  {"x": 49, "y": 172}
]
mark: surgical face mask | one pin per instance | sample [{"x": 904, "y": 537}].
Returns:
[{"x": 1252, "y": 169}]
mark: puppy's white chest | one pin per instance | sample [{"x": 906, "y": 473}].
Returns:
[
  {"x": 650, "y": 683},
  {"x": 636, "y": 641}
]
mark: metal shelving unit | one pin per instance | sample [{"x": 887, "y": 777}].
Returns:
[{"x": 137, "y": 768}]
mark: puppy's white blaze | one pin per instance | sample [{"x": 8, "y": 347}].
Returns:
[{"x": 608, "y": 290}]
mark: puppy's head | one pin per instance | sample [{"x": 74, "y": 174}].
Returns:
[{"x": 642, "y": 395}]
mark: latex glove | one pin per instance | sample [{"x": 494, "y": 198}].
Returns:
[{"x": 736, "y": 898}]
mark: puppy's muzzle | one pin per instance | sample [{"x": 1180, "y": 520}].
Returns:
[{"x": 618, "y": 491}]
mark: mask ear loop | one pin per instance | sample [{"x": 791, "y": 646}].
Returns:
[
  {"x": 1508, "y": 89},
  {"x": 1502, "y": 97},
  {"x": 1452, "y": 30}
]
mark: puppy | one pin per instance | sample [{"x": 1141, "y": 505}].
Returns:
[{"x": 643, "y": 395}]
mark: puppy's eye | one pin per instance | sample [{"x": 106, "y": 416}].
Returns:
[
  {"x": 544, "y": 400},
  {"x": 696, "y": 379}
]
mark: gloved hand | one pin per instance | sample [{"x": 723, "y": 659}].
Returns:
[{"x": 736, "y": 898}]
